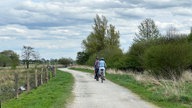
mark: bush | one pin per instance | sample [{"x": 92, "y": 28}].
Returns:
[
  {"x": 134, "y": 57},
  {"x": 91, "y": 60},
  {"x": 65, "y": 61},
  {"x": 4, "y": 60},
  {"x": 168, "y": 60},
  {"x": 112, "y": 57}
]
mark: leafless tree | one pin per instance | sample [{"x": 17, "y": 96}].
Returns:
[
  {"x": 27, "y": 54},
  {"x": 147, "y": 31},
  {"x": 172, "y": 32}
]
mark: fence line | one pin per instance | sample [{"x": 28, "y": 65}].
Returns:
[{"x": 14, "y": 82}]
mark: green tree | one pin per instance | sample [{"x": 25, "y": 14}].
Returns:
[
  {"x": 13, "y": 58},
  {"x": 190, "y": 36},
  {"x": 82, "y": 58},
  {"x": 101, "y": 37},
  {"x": 147, "y": 31},
  {"x": 65, "y": 61},
  {"x": 112, "y": 37},
  {"x": 4, "y": 60},
  {"x": 95, "y": 42}
]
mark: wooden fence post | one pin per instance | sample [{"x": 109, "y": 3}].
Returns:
[
  {"x": 41, "y": 77},
  {"x": 36, "y": 80},
  {"x": 16, "y": 84},
  {"x": 49, "y": 75},
  {"x": 28, "y": 82},
  {"x": 54, "y": 70},
  {"x": 46, "y": 75}
]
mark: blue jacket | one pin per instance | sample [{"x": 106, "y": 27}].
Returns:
[{"x": 102, "y": 63}]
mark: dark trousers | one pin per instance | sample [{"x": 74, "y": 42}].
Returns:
[{"x": 96, "y": 73}]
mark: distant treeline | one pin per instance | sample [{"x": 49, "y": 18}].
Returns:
[
  {"x": 9, "y": 58},
  {"x": 161, "y": 55}
]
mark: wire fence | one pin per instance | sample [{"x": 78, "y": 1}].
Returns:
[{"x": 15, "y": 82}]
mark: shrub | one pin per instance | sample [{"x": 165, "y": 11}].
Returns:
[
  {"x": 134, "y": 57},
  {"x": 111, "y": 55},
  {"x": 168, "y": 60}
]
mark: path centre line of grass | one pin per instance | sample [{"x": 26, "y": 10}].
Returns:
[
  {"x": 53, "y": 94},
  {"x": 143, "y": 91}
]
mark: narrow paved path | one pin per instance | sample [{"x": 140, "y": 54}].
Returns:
[{"x": 93, "y": 94}]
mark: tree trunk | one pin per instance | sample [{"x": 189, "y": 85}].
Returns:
[
  {"x": 36, "y": 80},
  {"x": 28, "y": 81},
  {"x": 27, "y": 64}
]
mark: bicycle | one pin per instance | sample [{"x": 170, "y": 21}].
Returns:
[{"x": 102, "y": 75}]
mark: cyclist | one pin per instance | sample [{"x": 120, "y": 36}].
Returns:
[
  {"x": 102, "y": 65},
  {"x": 96, "y": 68}
]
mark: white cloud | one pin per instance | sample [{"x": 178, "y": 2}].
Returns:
[
  {"x": 57, "y": 27},
  {"x": 5, "y": 38}
]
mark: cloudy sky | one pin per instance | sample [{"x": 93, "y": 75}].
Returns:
[{"x": 56, "y": 28}]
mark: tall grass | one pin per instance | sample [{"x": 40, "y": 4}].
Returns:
[
  {"x": 11, "y": 80},
  {"x": 7, "y": 83}
]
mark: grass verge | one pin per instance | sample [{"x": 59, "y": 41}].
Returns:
[
  {"x": 147, "y": 91},
  {"x": 53, "y": 94}
]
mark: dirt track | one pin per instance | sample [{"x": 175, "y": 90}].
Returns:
[{"x": 93, "y": 94}]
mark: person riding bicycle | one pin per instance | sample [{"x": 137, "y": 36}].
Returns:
[
  {"x": 96, "y": 68},
  {"x": 102, "y": 65}
]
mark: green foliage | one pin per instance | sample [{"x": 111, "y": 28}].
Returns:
[
  {"x": 190, "y": 36},
  {"x": 168, "y": 60},
  {"x": 133, "y": 63},
  {"x": 65, "y": 61},
  {"x": 134, "y": 57},
  {"x": 95, "y": 42},
  {"x": 4, "y": 60},
  {"x": 91, "y": 60},
  {"x": 82, "y": 58},
  {"x": 112, "y": 38},
  {"x": 53, "y": 94},
  {"x": 111, "y": 55},
  {"x": 101, "y": 37},
  {"x": 9, "y": 58},
  {"x": 162, "y": 56},
  {"x": 103, "y": 41}
]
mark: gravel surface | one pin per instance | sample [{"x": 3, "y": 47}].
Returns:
[{"x": 90, "y": 93}]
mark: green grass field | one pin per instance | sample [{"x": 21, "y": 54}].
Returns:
[
  {"x": 53, "y": 94},
  {"x": 148, "y": 93}
]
